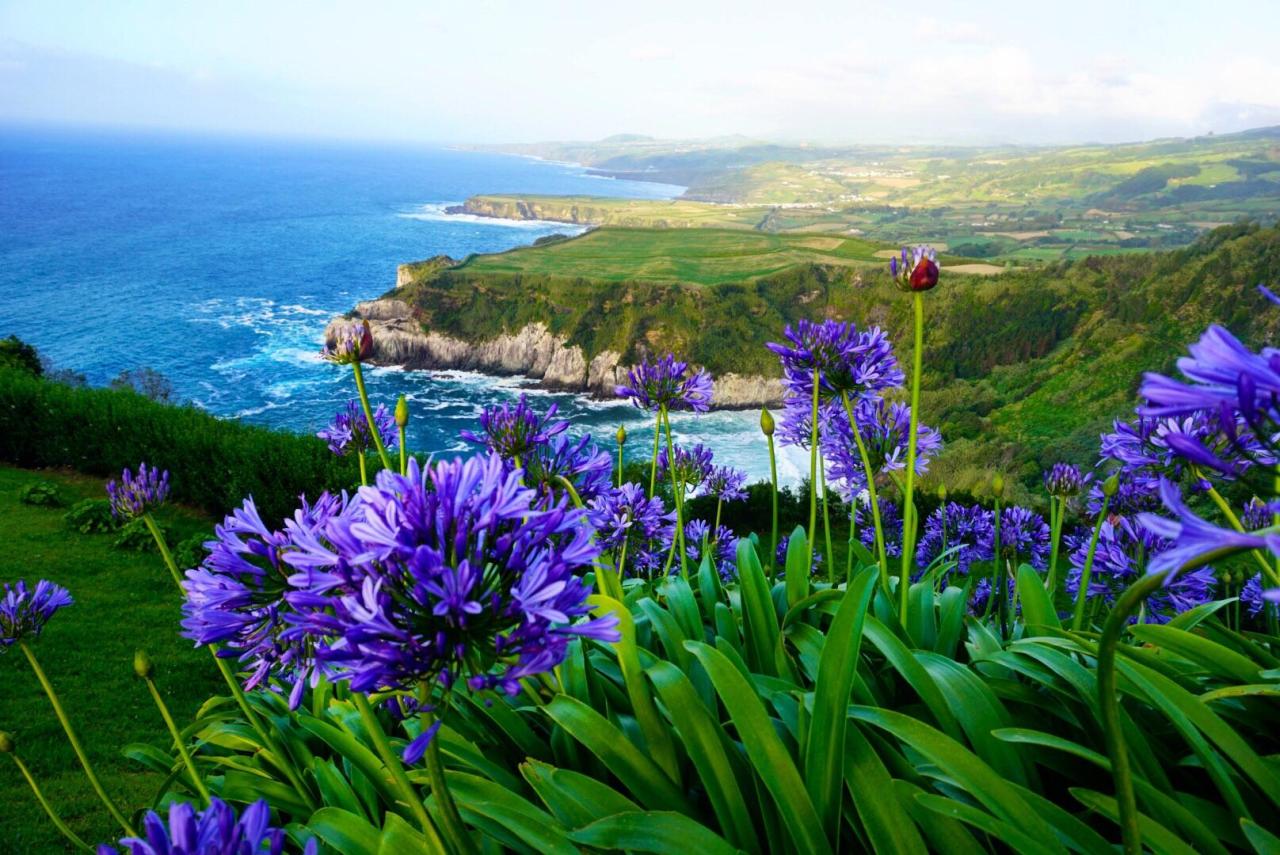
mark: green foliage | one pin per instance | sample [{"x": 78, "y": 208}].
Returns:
[
  {"x": 134, "y": 536},
  {"x": 91, "y": 516},
  {"x": 17, "y": 354},
  {"x": 41, "y": 494},
  {"x": 214, "y": 462},
  {"x": 190, "y": 552}
]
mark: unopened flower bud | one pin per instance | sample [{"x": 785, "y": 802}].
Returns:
[
  {"x": 622, "y": 435},
  {"x": 1110, "y": 486},
  {"x": 766, "y": 422},
  {"x": 6, "y": 742},
  {"x": 925, "y": 275},
  {"x": 997, "y": 485},
  {"x": 402, "y": 411},
  {"x": 942, "y": 492},
  {"x": 142, "y": 664}
]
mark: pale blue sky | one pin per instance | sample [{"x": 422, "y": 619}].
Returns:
[{"x": 483, "y": 70}]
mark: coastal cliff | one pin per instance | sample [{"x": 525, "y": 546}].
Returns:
[{"x": 533, "y": 351}]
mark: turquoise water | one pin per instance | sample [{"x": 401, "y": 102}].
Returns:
[{"x": 218, "y": 262}]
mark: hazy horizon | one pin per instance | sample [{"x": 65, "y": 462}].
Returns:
[{"x": 498, "y": 72}]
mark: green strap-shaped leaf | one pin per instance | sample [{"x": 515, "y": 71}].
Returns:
[
  {"x": 1262, "y": 841},
  {"x": 769, "y": 757},
  {"x": 1160, "y": 839},
  {"x": 652, "y": 832},
  {"x": 574, "y": 798},
  {"x": 359, "y": 756},
  {"x": 985, "y": 784},
  {"x": 478, "y": 797},
  {"x": 637, "y": 771},
  {"x": 1012, "y": 836},
  {"x": 944, "y": 833},
  {"x": 704, "y": 742},
  {"x": 1222, "y": 661},
  {"x": 345, "y": 832},
  {"x": 951, "y": 611},
  {"x": 401, "y": 838},
  {"x": 657, "y": 736},
  {"x": 1037, "y": 606},
  {"x": 824, "y": 752},
  {"x": 760, "y": 621},
  {"x": 887, "y": 824},
  {"x": 914, "y": 673},
  {"x": 797, "y": 581}
]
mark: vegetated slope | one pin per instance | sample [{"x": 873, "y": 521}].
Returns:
[{"x": 1023, "y": 368}]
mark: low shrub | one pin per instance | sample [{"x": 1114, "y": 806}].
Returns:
[
  {"x": 42, "y": 494},
  {"x": 91, "y": 516},
  {"x": 134, "y": 536}
]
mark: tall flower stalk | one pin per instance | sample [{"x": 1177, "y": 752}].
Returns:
[
  {"x": 767, "y": 428},
  {"x": 7, "y": 747},
  {"x": 352, "y": 345},
  {"x": 1109, "y": 488},
  {"x": 664, "y": 386},
  {"x": 920, "y": 277}
]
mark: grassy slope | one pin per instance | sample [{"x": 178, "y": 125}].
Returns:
[
  {"x": 1024, "y": 368},
  {"x": 124, "y": 600}
]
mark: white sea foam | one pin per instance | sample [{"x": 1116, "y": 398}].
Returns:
[{"x": 435, "y": 212}]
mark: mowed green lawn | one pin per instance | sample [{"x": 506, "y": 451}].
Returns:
[
  {"x": 698, "y": 256},
  {"x": 123, "y": 601}
]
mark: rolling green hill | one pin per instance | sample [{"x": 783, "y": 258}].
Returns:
[{"x": 1024, "y": 368}]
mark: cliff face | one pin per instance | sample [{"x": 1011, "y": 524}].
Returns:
[{"x": 534, "y": 352}]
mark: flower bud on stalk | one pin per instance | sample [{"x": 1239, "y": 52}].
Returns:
[
  {"x": 142, "y": 665},
  {"x": 1110, "y": 486},
  {"x": 997, "y": 485},
  {"x": 402, "y": 412},
  {"x": 6, "y": 742},
  {"x": 916, "y": 271},
  {"x": 622, "y": 435},
  {"x": 766, "y": 422}
]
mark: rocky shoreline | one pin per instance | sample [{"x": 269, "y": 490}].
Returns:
[{"x": 533, "y": 352}]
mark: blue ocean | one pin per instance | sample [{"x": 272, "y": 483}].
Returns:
[{"x": 219, "y": 261}]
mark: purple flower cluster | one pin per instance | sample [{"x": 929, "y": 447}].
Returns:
[
  {"x": 134, "y": 495},
  {"x": 514, "y": 432},
  {"x": 890, "y": 524},
  {"x": 980, "y": 600},
  {"x": 667, "y": 384},
  {"x": 1024, "y": 535},
  {"x": 350, "y": 343},
  {"x": 721, "y": 546},
  {"x": 348, "y": 433},
  {"x": 784, "y": 543},
  {"x": 1064, "y": 480},
  {"x": 726, "y": 484},
  {"x": 846, "y": 360},
  {"x": 24, "y": 612},
  {"x": 213, "y": 831},
  {"x": 966, "y": 533},
  {"x": 885, "y": 428},
  {"x": 693, "y": 465},
  {"x": 626, "y": 516}
]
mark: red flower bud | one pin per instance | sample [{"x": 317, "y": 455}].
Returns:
[{"x": 925, "y": 276}]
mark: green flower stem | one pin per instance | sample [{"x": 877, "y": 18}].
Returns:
[
  {"x": 826, "y": 521},
  {"x": 812, "y": 531},
  {"x": 48, "y": 808},
  {"x": 451, "y": 820},
  {"x": 364, "y": 472},
  {"x": 285, "y": 763},
  {"x": 853, "y": 533},
  {"x": 1057, "y": 511},
  {"x": 178, "y": 741},
  {"x": 653, "y": 465},
  {"x": 615, "y": 587},
  {"x": 396, "y": 770},
  {"x": 997, "y": 584},
  {"x": 773, "y": 483},
  {"x": 678, "y": 490},
  {"x": 1109, "y": 702},
  {"x": 164, "y": 549},
  {"x": 1077, "y": 622},
  {"x": 368, "y": 415},
  {"x": 1268, "y": 572},
  {"x": 871, "y": 489},
  {"x": 404, "y": 451},
  {"x": 620, "y": 464},
  {"x": 908, "y": 503},
  {"x": 74, "y": 740}
]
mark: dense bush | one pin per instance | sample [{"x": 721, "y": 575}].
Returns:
[
  {"x": 41, "y": 494},
  {"x": 134, "y": 536},
  {"x": 91, "y": 516},
  {"x": 215, "y": 462}
]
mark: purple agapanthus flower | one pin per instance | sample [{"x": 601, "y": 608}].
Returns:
[
  {"x": 351, "y": 342},
  {"x": 1136, "y": 492},
  {"x": 579, "y": 462},
  {"x": 846, "y": 360},
  {"x": 890, "y": 524},
  {"x": 667, "y": 384},
  {"x": 454, "y": 572},
  {"x": 1259, "y": 514},
  {"x": 1256, "y": 596},
  {"x": 968, "y": 530},
  {"x": 24, "y": 612},
  {"x": 693, "y": 465},
  {"x": 241, "y": 599},
  {"x": 1193, "y": 539},
  {"x": 726, "y": 484},
  {"x": 884, "y": 428},
  {"x": 1024, "y": 535},
  {"x": 796, "y": 428},
  {"x": 348, "y": 433},
  {"x": 1224, "y": 377},
  {"x": 721, "y": 545},
  {"x": 213, "y": 831},
  {"x": 134, "y": 495},
  {"x": 1065, "y": 480},
  {"x": 980, "y": 599},
  {"x": 626, "y": 516},
  {"x": 513, "y": 432}
]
